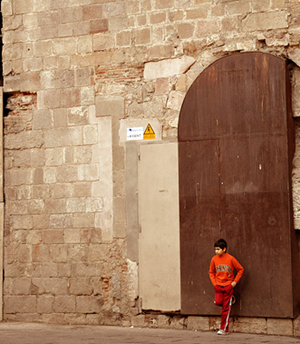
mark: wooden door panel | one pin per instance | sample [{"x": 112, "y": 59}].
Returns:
[
  {"x": 235, "y": 152},
  {"x": 199, "y": 218}
]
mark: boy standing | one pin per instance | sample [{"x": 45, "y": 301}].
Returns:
[{"x": 221, "y": 273}]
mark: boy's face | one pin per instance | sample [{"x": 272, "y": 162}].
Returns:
[{"x": 219, "y": 251}]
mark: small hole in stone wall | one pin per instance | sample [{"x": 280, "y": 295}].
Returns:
[{"x": 6, "y": 96}]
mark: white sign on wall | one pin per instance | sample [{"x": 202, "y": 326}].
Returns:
[{"x": 135, "y": 133}]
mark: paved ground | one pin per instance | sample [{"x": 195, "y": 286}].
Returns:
[{"x": 19, "y": 333}]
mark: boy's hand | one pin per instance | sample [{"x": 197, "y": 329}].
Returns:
[{"x": 233, "y": 284}]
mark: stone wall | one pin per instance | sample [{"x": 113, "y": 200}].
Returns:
[{"x": 73, "y": 70}]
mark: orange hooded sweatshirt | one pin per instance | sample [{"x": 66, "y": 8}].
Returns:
[{"x": 221, "y": 270}]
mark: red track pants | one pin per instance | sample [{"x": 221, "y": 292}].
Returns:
[{"x": 222, "y": 299}]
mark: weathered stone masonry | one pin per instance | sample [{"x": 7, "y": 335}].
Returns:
[{"x": 73, "y": 71}]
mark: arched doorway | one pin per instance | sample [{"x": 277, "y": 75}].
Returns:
[{"x": 235, "y": 148}]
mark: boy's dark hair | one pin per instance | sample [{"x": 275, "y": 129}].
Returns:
[{"x": 221, "y": 243}]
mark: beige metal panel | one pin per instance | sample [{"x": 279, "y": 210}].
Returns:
[
  {"x": 1, "y": 144},
  {"x": 1, "y": 258},
  {"x": 159, "y": 274}
]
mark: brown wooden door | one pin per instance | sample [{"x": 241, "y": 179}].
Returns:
[{"x": 234, "y": 182}]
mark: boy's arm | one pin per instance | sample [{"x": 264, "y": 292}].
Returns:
[
  {"x": 239, "y": 269},
  {"x": 212, "y": 273}
]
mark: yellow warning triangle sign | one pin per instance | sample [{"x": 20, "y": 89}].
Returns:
[{"x": 149, "y": 133}]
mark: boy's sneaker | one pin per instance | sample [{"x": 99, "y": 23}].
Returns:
[
  {"x": 232, "y": 300},
  {"x": 222, "y": 332}
]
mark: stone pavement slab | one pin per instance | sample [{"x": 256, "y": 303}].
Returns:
[{"x": 20, "y": 333}]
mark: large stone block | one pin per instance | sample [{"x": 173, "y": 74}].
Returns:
[
  {"x": 88, "y": 172},
  {"x": 57, "y": 79},
  {"x": 265, "y": 21},
  {"x": 16, "y": 207},
  {"x": 82, "y": 189},
  {"x": 46, "y": 269},
  {"x": 54, "y": 286},
  {"x": 77, "y": 115},
  {"x": 32, "y": 64},
  {"x": 123, "y": 38},
  {"x": 87, "y": 96},
  {"x": 19, "y": 177},
  {"x": 34, "y": 237},
  {"x": 21, "y": 222},
  {"x": 206, "y": 27},
  {"x": 38, "y": 175},
  {"x": 24, "y": 139},
  {"x": 94, "y": 204},
  {"x": 76, "y": 205},
  {"x": 88, "y": 304},
  {"x": 41, "y": 191},
  {"x": 60, "y": 117},
  {"x": 199, "y": 12},
  {"x": 63, "y": 137},
  {"x": 297, "y": 327},
  {"x": 71, "y": 97},
  {"x": 45, "y": 304},
  {"x": 21, "y": 286},
  {"x": 55, "y": 206},
  {"x": 198, "y": 323},
  {"x": 157, "y": 18},
  {"x": 25, "y": 82},
  {"x": 250, "y": 325},
  {"x": 85, "y": 45},
  {"x": 71, "y": 14},
  {"x": 109, "y": 106},
  {"x": 91, "y": 235},
  {"x": 40, "y": 253},
  {"x": 85, "y": 220},
  {"x": 54, "y": 156},
  {"x": 92, "y": 12},
  {"x": 159, "y": 4},
  {"x": 103, "y": 41},
  {"x": 42, "y": 48},
  {"x": 97, "y": 253},
  {"x": 37, "y": 157},
  {"x": 6, "y": 8},
  {"x": 20, "y": 304},
  {"x": 72, "y": 236},
  {"x": 64, "y": 46},
  {"x": 41, "y": 221},
  {"x": 62, "y": 190},
  {"x": 114, "y": 9},
  {"x": 59, "y": 254},
  {"x": 260, "y": 5},
  {"x": 50, "y": 175},
  {"x": 83, "y": 76},
  {"x": 78, "y": 253},
  {"x": 166, "y": 68},
  {"x": 283, "y": 327},
  {"x": 35, "y": 206},
  {"x": 84, "y": 270},
  {"x": 69, "y": 155},
  {"x": 49, "y": 99},
  {"x": 80, "y": 286},
  {"x": 82, "y": 155},
  {"x": 64, "y": 304},
  {"x": 98, "y": 25},
  {"x": 142, "y": 36},
  {"x": 186, "y": 30},
  {"x": 60, "y": 221},
  {"x": 21, "y": 6}
]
